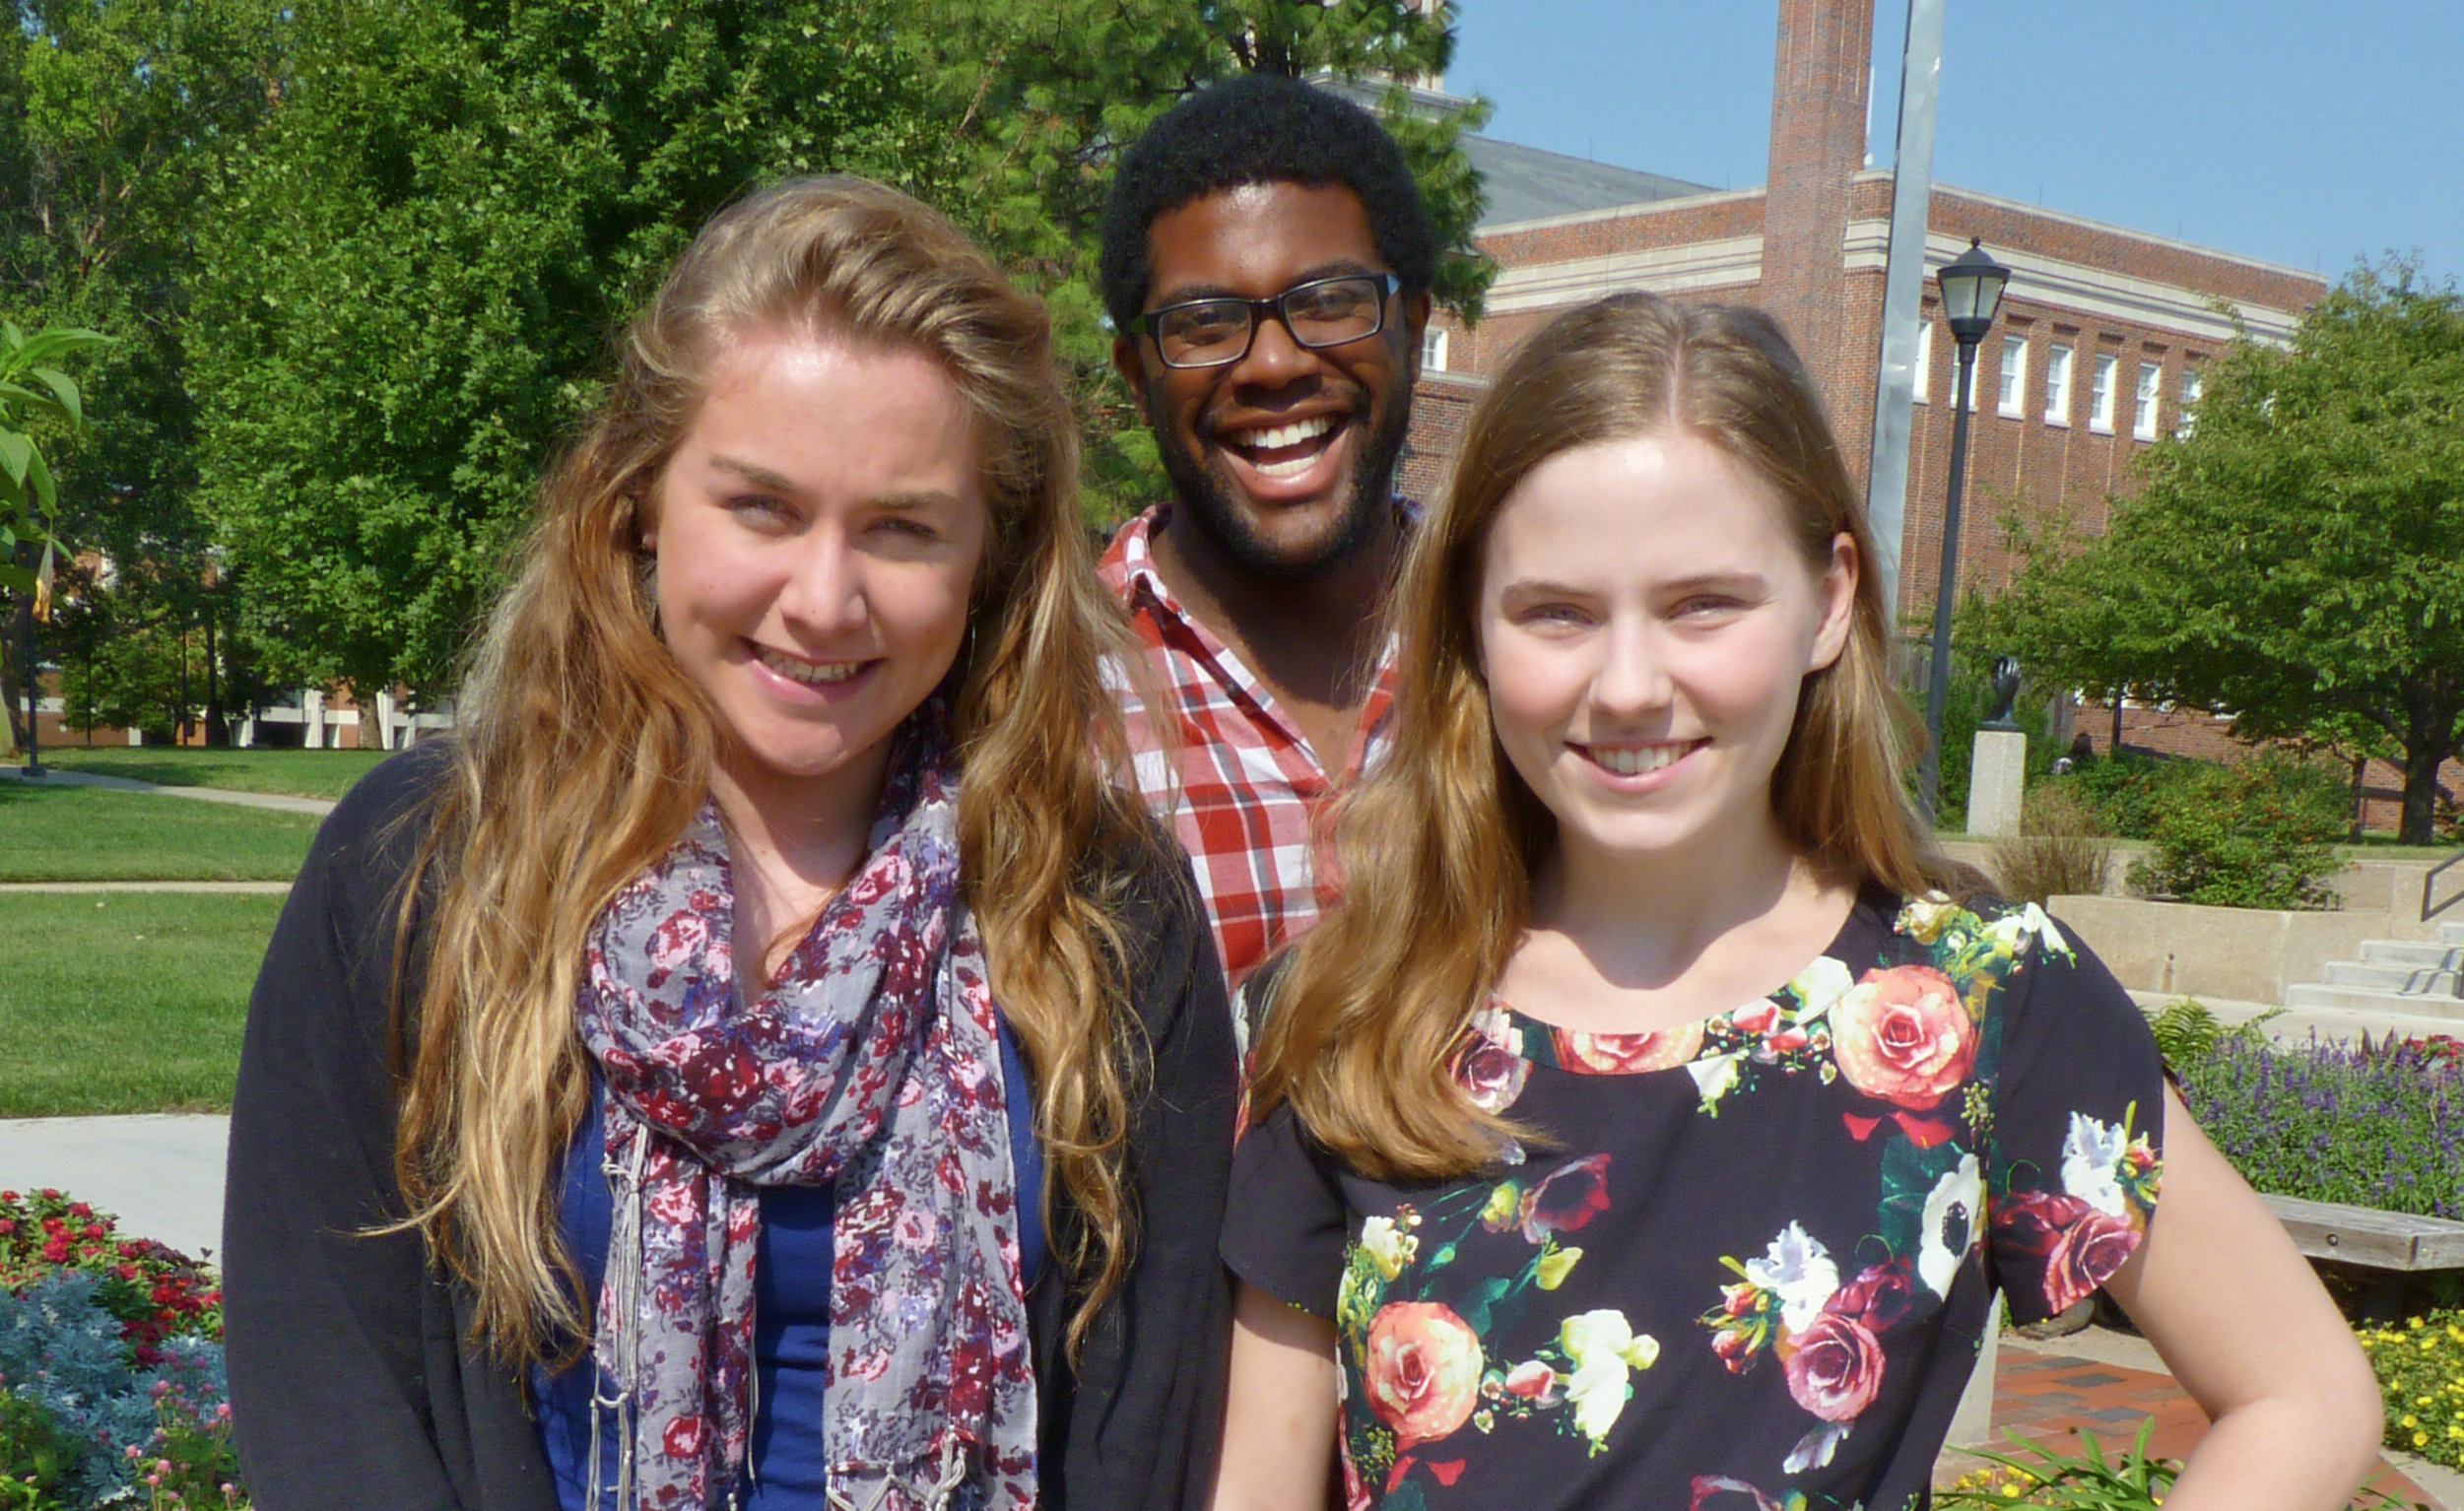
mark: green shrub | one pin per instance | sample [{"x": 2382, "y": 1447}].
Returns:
[
  {"x": 2128, "y": 793},
  {"x": 2258, "y": 834},
  {"x": 2420, "y": 1369}
]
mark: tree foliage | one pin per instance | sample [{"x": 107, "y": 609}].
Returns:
[
  {"x": 2298, "y": 559},
  {"x": 115, "y": 120},
  {"x": 408, "y": 287}
]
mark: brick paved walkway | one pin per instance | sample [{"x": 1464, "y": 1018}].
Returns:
[{"x": 2052, "y": 1398}]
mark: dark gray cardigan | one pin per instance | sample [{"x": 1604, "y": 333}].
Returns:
[{"x": 352, "y": 1379}]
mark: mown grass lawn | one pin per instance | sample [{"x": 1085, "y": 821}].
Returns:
[
  {"x": 69, "y": 833},
  {"x": 295, "y": 773},
  {"x": 126, "y": 1002}
]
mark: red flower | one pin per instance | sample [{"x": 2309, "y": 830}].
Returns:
[
  {"x": 684, "y": 1437},
  {"x": 1567, "y": 1199},
  {"x": 1878, "y": 1297},
  {"x": 2032, "y": 1222},
  {"x": 2084, "y": 1255},
  {"x": 1835, "y": 1369}
]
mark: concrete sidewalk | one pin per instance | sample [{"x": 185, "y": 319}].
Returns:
[
  {"x": 160, "y": 1174},
  {"x": 274, "y": 800}
]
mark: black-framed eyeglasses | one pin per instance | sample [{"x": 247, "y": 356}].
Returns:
[{"x": 1322, "y": 312}]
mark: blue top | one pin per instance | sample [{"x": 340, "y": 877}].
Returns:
[{"x": 790, "y": 1312}]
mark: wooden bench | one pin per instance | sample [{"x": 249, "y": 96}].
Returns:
[{"x": 2393, "y": 1244}]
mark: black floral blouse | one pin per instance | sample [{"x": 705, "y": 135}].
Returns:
[{"x": 1751, "y": 1267}]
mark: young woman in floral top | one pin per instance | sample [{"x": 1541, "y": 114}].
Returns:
[{"x": 1537, "y": 1215}]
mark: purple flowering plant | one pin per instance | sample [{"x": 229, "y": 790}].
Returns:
[{"x": 2367, "y": 1124}]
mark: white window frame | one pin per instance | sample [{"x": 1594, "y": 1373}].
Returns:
[
  {"x": 2186, "y": 416},
  {"x": 2013, "y": 378},
  {"x": 1434, "y": 349},
  {"x": 2146, "y": 402},
  {"x": 2058, "y": 358},
  {"x": 2101, "y": 382},
  {"x": 1924, "y": 361}
]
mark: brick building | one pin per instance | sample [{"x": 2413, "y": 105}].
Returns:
[{"x": 2095, "y": 353}]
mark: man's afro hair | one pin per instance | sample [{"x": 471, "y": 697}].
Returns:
[{"x": 1260, "y": 128}]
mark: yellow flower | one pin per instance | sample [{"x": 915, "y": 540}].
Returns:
[
  {"x": 1555, "y": 1265},
  {"x": 1504, "y": 1205},
  {"x": 1388, "y": 1249},
  {"x": 2409, "y": 1420}
]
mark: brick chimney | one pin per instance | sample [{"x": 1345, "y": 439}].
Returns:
[{"x": 1818, "y": 145}]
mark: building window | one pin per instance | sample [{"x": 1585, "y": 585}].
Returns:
[
  {"x": 2187, "y": 416},
  {"x": 1924, "y": 361},
  {"x": 1433, "y": 350},
  {"x": 2015, "y": 376},
  {"x": 2057, "y": 385},
  {"x": 2143, "y": 409},
  {"x": 2101, "y": 395}
]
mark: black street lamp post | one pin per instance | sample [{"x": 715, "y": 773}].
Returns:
[{"x": 1971, "y": 293}]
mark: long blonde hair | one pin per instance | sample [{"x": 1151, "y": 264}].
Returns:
[
  {"x": 1436, "y": 849},
  {"x": 584, "y": 751}
]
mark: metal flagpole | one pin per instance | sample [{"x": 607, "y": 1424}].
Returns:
[{"x": 1904, "y": 287}]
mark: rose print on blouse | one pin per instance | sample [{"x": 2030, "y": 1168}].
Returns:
[
  {"x": 1827, "y": 1335},
  {"x": 2086, "y": 1231},
  {"x": 1422, "y": 1371},
  {"x": 1418, "y": 1326}
]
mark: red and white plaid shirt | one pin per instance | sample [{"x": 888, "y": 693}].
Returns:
[{"x": 1233, "y": 775}]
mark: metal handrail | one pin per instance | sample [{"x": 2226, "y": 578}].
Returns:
[{"x": 2430, "y": 884}]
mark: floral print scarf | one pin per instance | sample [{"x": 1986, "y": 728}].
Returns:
[{"x": 873, "y": 1065}]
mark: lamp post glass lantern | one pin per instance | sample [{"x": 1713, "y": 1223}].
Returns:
[{"x": 1971, "y": 286}]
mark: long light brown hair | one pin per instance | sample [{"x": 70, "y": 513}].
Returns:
[
  {"x": 585, "y": 751},
  {"x": 1436, "y": 849}
]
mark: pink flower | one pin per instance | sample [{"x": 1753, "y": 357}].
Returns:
[
  {"x": 1903, "y": 1036},
  {"x": 1490, "y": 1073},
  {"x": 1531, "y": 1381},
  {"x": 1566, "y": 1198},
  {"x": 1835, "y": 1367},
  {"x": 1761, "y": 1017},
  {"x": 1618, "y": 1054},
  {"x": 1423, "y": 1368},
  {"x": 2084, "y": 1255}
]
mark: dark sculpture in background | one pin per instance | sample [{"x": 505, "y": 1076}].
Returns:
[{"x": 2005, "y": 692}]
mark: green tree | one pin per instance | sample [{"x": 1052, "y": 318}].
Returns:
[
  {"x": 2298, "y": 559},
  {"x": 115, "y": 120},
  {"x": 410, "y": 277},
  {"x": 1045, "y": 93}
]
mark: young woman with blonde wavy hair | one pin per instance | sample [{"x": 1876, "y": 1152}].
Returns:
[
  {"x": 1655, "y": 1119},
  {"x": 761, "y": 1060}
]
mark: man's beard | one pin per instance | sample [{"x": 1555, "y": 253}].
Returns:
[{"x": 1207, "y": 503}]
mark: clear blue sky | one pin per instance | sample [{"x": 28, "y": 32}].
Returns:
[{"x": 2295, "y": 130}]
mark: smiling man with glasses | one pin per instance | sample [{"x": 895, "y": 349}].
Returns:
[{"x": 1266, "y": 263}]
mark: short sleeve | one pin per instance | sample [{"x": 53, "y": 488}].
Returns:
[
  {"x": 1286, "y": 1224},
  {"x": 2078, "y": 1127}
]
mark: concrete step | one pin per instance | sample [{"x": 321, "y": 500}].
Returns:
[
  {"x": 2299, "y": 1025},
  {"x": 2452, "y": 931},
  {"x": 2411, "y": 980},
  {"x": 2361, "y": 998},
  {"x": 2416, "y": 955}
]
